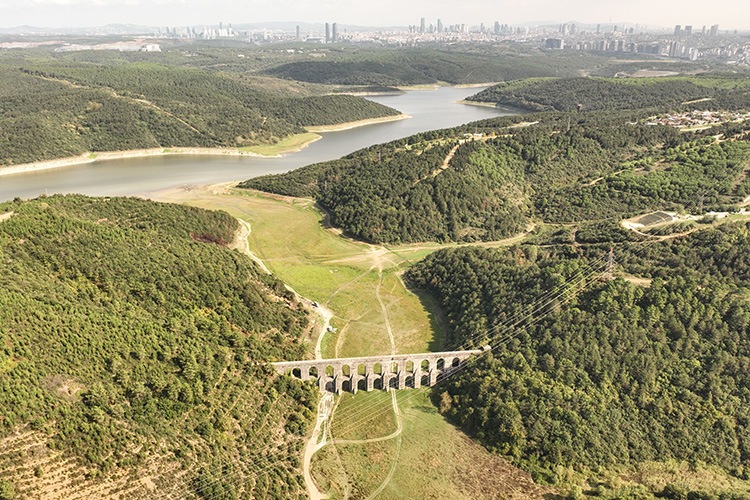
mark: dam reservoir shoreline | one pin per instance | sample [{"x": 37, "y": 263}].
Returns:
[{"x": 429, "y": 110}]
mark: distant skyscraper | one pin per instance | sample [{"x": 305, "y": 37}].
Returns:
[
  {"x": 715, "y": 30},
  {"x": 298, "y": 34},
  {"x": 328, "y": 33},
  {"x": 598, "y": 28},
  {"x": 703, "y": 31},
  {"x": 422, "y": 25},
  {"x": 497, "y": 28},
  {"x": 675, "y": 49},
  {"x": 688, "y": 30},
  {"x": 440, "y": 26},
  {"x": 677, "y": 30},
  {"x": 335, "y": 33}
]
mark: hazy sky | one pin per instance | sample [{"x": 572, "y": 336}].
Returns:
[{"x": 729, "y": 14}]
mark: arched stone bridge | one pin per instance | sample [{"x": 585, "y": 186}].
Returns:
[{"x": 400, "y": 371}]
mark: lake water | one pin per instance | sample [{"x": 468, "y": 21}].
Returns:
[{"x": 430, "y": 110}]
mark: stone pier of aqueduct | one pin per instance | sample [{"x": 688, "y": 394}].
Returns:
[{"x": 401, "y": 371}]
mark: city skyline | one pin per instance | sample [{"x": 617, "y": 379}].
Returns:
[{"x": 89, "y": 13}]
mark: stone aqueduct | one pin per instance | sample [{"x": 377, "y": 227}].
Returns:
[{"x": 400, "y": 371}]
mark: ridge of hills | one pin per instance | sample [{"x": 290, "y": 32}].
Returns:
[
  {"x": 491, "y": 179},
  {"x": 53, "y": 109},
  {"x": 703, "y": 91}
]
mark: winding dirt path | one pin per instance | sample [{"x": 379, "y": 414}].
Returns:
[
  {"x": 242, "y": 243},
  {"x": 385, "y": 312},
  {"x": 325, "y": 405},
  {"x": 324, "y": 410}
]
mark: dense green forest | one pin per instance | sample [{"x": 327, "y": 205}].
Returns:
[
  {"x": 52, "y": 110},
  {"x": 620, "y": 375},
  {"x": 129, "y": 333},
  {"x": 562, "y": 168},
  {"x": 592, "y": 94}
]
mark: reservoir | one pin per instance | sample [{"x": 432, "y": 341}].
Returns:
[{"x": 429, "y": 109}]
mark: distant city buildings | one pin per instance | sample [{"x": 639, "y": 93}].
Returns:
[{"x": 683, "y": 43}]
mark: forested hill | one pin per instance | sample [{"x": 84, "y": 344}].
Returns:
[
  {"x": 453, "y": 64},
  {"x": 551, "y": 167},
  {"x": 592, "y": 94},
  {"x": 52, "y": 109},
  {"x": 419, "y": 67},
  {"x": 130, "y": 342},
  {"x": 619, "y": 377}
]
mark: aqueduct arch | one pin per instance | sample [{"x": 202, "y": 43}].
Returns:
[{"x": 386, "y": 372}]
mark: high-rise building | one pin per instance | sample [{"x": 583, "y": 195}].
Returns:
[
  {"x": 335, "y": 33},
  {"x": 675, "y": 49},
  {"x": 328, "y": 33},
  {"x": 497, "y": 28},
  {"x": 703, "y": 31},
  {"x": 688, "y": 30},
  {"x": 298, "y": 34},
  {"x": 715, "y": 30},
  {"x": 677, "y": 30},
  {"x": 422, "y": 25},
  {"x": 440, "y": 26},
  {"x": 598, "y": 28}
]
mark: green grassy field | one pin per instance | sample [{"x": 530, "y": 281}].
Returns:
[
  {"x": 429, "y": 458},
  {"x": 287, "y": 145},
  {"x": 347, "y": 276}
]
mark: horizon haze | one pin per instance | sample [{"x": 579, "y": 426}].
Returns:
[{"x": 91, "y": 13}]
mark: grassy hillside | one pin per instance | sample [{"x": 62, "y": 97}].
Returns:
[
  {"x": 131, "y": 342},
  {"x": 51, "y": 110},
  {"x": 592, "y": 94}
]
